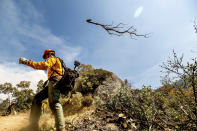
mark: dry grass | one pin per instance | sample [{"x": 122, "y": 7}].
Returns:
[
  {"x": 87, "y": 101},
  {"x": 77, "y": 118},
  {"x": 75, "y": 109},
  {"x": 47, "y": 122},
  {"x": 73, "y": 105}
]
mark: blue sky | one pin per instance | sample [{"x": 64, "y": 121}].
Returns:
[{"x": 27, "y": 28}]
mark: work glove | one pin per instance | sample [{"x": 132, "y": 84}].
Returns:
[{"x": 23, "y": 60}]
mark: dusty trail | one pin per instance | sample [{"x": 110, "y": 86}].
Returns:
[{"x": 13, "y": 122}]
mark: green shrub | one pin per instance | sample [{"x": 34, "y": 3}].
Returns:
[
  {"x": 90, "y": 78},
  {"x": 149, "y": 109}
]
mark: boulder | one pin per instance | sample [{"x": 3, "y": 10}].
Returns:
[{"x": 110, "y": 86}]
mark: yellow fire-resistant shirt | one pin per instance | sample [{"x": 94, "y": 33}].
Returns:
[{"x": 51, "y": 64}]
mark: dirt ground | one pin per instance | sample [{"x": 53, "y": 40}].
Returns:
[{"x": 13, "y": 122}]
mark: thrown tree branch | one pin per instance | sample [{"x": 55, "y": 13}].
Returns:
[{"x": 119, "y": 29}]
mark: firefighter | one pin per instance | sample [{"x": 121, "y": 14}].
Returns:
[
  {"x": 50, "y": 91},
  {"x": 11, "y": 109},
  {"x": 44, "y": 107}
]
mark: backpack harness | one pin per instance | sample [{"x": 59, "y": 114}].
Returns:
[{"x": 67, "y": 82}]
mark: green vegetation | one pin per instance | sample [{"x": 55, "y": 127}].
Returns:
[
  {"x": 173, "y": 106},
  {"x": 90, "y": 78},
  {"x": 149, "y": 109},
  {"x": 21, "y": 94}
]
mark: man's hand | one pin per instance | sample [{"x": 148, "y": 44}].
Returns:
[{"x": 23, "y": 60}]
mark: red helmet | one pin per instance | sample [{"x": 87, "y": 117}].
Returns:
[{"x": 46, "y": 52}]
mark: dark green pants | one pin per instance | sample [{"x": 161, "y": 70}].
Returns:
[{"x": 53, "y": 94}]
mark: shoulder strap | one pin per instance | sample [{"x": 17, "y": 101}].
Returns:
[
  {"x": 63, "y": 66},
  {"x": 62, "y": 63}
]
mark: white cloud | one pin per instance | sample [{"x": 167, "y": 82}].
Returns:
[
  {"x": 14, "y": 73},
  {"x": 23, "y": 34},
  {"x": 138, "y": 12},
  {"x": 22, "y": 30}
]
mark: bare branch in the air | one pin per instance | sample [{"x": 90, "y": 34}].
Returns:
[{"x": 119, "y": 29}]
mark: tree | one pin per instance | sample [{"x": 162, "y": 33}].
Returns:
[
  {"x": 23, "y": 96},
  {"x": 185, "y": 77},
  {"x": 23, "y": 84},
  {"x": 40, "y": 86},
  {"x": 7, "y": 89}
]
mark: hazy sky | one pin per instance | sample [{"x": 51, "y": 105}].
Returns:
[{"x": 28, "y": 27}]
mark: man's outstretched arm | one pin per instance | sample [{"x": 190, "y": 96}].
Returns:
[{"x": 38, "y": 65}]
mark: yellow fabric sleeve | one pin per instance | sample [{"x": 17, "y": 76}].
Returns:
[
  {"x": 52, "y": 62},
  {"x": 42, "y": 65}
]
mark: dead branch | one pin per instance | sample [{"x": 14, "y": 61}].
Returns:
[{"x": 119, "y": 29}]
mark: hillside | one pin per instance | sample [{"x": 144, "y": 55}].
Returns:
[{"x": 102, "y": 101}]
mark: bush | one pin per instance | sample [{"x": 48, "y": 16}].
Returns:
[
  {"x": 90, "y": 78},
  {"x": 149, "y": 109}
]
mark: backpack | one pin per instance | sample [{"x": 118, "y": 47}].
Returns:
[{"x": 68, "y": 79}]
